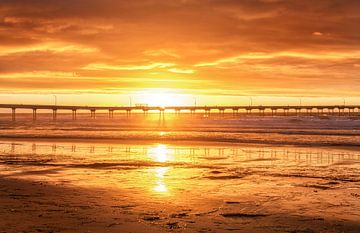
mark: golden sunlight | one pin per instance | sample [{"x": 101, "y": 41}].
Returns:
[
  {"x": 160, "y": 186},
  {"x": 162, "y": 98},
  {"x": 160, "y": 153}
]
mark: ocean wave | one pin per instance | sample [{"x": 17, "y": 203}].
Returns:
[
  {"x": 323, "y": 131},
  {"x": 188, "y": 137}
]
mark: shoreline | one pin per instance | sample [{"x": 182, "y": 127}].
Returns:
[{"x": 176, "y": 142}]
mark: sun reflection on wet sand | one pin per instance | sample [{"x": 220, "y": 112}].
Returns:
[
  {"x": 161, "y": 171},
  {"x": 160, "y": 154},
  {"x": 162, "y": 133},
  {"x": 161, "y": 186}
]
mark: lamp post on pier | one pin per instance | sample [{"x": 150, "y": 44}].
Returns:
[
  {"x": 251, "y": 101},
  {"x": 55, "y": 99}
]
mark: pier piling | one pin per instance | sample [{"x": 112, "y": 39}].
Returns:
[
  {"x": 54, "y": 114},
  {"x": 74, "y": 114},
  {"x": 13, "y": 114},
  {"x": 34, "y": 114}
]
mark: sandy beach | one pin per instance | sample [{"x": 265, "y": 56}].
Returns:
[
  {"x": 33, "y": 206},
  {"x": 259, "y": 191}
]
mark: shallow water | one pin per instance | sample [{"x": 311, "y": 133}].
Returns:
[
  {"x": 305, "y": 131},
  {"x": 158, "y": 162},
  {"x": 152, "y": 154}
]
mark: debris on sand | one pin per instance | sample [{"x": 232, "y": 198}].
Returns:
[
  {"x": 232, "y": 202},
  {"x": 179, "y": 215},
  {"x": 151, "y": 218},
  {"x": 173, "y": 225},
  {"x": 243, "y": 215},
  {"x": 123, "y": 206},
  {"x": 113, "y": 224},
  {"x": 307, "y": 230}
]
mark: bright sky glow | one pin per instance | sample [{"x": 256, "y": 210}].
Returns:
[{"x": 219, "y": 51}]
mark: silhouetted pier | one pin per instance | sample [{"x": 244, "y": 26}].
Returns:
[{"x": 340, "y": 110}]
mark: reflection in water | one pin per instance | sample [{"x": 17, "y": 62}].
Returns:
[
  {"x": 160, "y": 154},
  {"x": 162, "y": 133},
  {"x": 166, "y": 154},
  {"x": 161, "y": 186},
  {"x": 169, "y": 170}
]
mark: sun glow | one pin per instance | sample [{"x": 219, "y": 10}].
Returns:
[
  {"x": 160, "y": 153},
  {"x": 162, "y": 98},
  {"x": 161, "y": 186}
]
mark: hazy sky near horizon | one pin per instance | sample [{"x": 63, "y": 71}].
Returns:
[{"x": 200, "y": 47}]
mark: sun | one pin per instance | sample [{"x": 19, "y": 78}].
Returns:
[{"x": 162, "y": 98}]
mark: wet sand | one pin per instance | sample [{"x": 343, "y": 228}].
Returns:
[
  {"x": 258, "y": 194},
  {"x": 29, "y": 206}
]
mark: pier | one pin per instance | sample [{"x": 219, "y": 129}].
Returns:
[{"x": 339, "y": 110}]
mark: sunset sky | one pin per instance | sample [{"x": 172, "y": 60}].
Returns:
[{"x": 110, "y": 51}]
